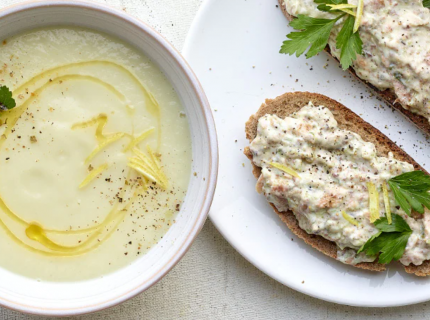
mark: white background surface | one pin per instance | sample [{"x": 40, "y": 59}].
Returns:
[{"x": 213, "y": 281}]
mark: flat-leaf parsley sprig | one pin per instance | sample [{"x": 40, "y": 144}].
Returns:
[
  {"x": 315, "y": 32},
  {"x": 391, "y": 240},
  {"x": 6, "y": 100},
  {"x": 411, "y": 191}
]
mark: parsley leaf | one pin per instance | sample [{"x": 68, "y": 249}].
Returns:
[
  {"x": 398, "y": 224},
  {"x": 6, "y": 100},
  {"x": 390, "y": 241},
  {"x": 315, "y": 33},
  {"x": 323, "y": 4},
  {"x": 349, "y": 43},
  {"x": 366, "y": 246},
  {"x": 411, "y": 191},
  {"x": 393, "y": 246},
  {"x": 426, "y": 3}
]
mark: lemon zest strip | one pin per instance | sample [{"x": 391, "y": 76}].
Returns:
[
  {"x": 139, "y": 139},
  {"x": 344, "y": 8},
  {"x": 153, "y": 162},
  {"x": 349, "y": 218},
  {"x": 359, "y": 16},
  {"x": 285, "y": 169},
  {"x": 109, "y": 140},
  {"x": 386, "y": 202},
  {"x": 373, "y": 202},
  {"x": 92, "y": 175},
  {"x": 148, "y": 166}
]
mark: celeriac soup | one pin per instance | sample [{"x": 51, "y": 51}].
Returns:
[{"x": 95, "y": 158}]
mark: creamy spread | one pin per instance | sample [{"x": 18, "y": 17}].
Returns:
[
  {"x": 396, "y": 47},
  {"x": 334, "y": 166}
]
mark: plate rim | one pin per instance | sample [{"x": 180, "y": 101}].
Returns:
[{"x": 186, "y": 50}]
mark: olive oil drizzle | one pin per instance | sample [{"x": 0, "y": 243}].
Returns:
[
  {"x": 72, "y": 252},
  {"x": 10, "y": 117},
  {"x": 99, "y": 120},
  {"x": 151, "y": 103},
  {"x": 35, "y": 231}
]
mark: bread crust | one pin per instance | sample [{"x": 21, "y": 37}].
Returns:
[
  {"x": 289, "y": 103},
  {"x": 387, "y": 95}
]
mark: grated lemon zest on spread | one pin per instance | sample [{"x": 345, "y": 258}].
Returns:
[
  {"x": 94, "y": 173},
  {"x": 350, "y": 12},
  {"x": 386, "y": 202},
  {"x": 349, "y": 218},
  {"x": 285, "y": 169},
  {"x": 373, "y": 202},
  {"x": 359, "y": 16},
  {"x": 343, "y": 7}
]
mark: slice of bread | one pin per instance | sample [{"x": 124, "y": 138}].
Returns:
[
  {"x": 289, "y": 103},
  {"x": 388, "y": 95}
]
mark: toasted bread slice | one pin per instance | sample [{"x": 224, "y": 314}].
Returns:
[
  {"x": 387, "y": 95},
  {"x": 289, "y": 103}
]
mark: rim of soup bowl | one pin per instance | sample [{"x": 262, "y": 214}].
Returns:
[{"x": 213, "y": 157}]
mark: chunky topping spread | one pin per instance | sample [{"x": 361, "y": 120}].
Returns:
[
  {"x": 327, "y": 181},
  {"x": 396, "y": 47}
]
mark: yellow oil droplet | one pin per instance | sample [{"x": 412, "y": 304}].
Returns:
[
  {"x": 37, "y": 233},
  {"x": 34, "y": 232}
]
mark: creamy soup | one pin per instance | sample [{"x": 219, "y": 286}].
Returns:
[{"x": 95, "y": 159}]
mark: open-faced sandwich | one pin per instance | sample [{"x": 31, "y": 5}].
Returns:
[
  {"x": 340, "y": 184},
  {"x": 385, "y": 43}
]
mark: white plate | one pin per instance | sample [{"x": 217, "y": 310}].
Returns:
[{"x": 228, "y": 39}]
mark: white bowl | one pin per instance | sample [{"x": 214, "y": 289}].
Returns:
[{"x": 72, "y": 298}]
